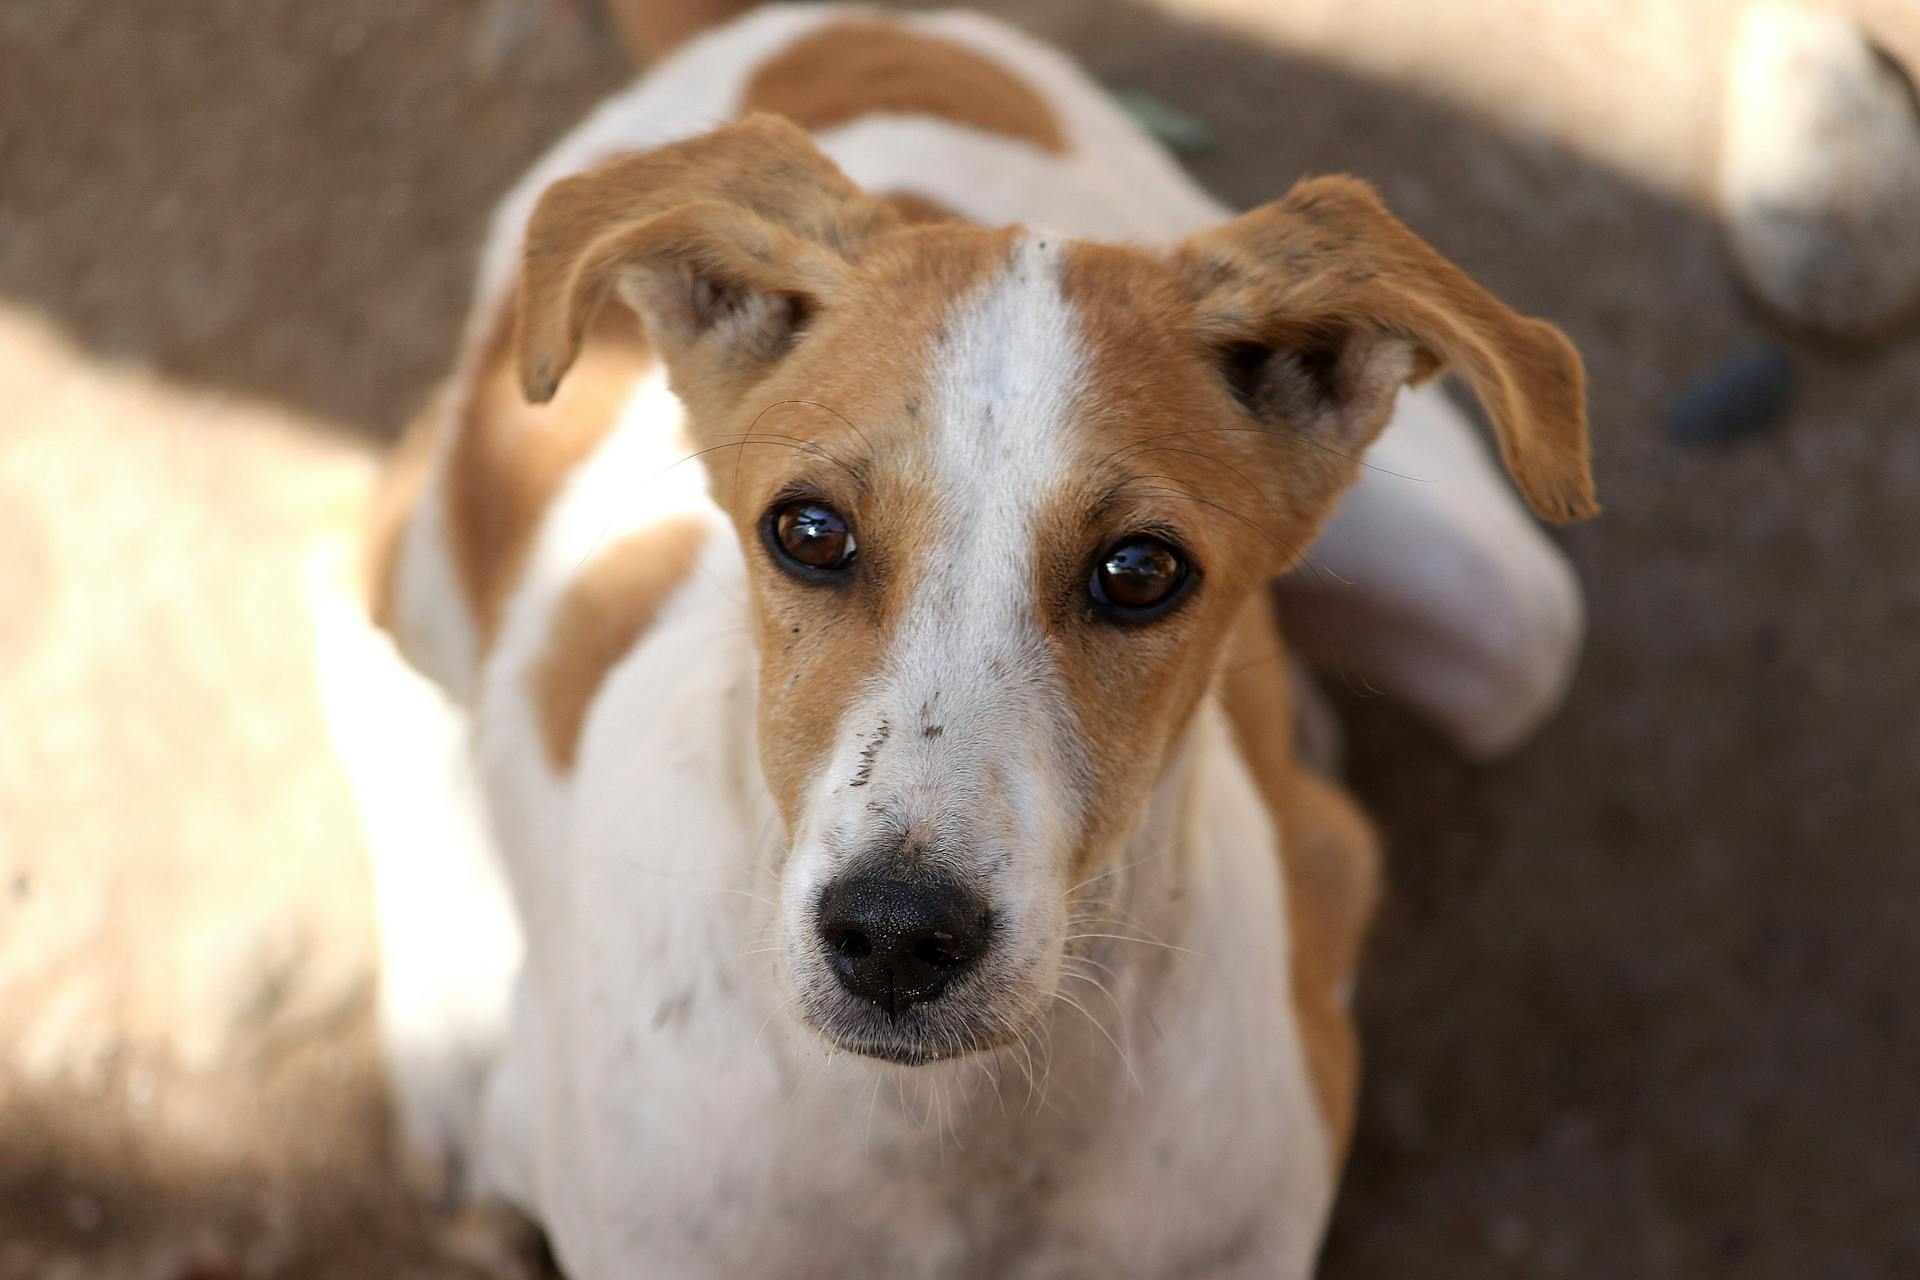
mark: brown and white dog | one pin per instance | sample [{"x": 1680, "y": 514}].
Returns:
[{"x": 843, "y": 552}]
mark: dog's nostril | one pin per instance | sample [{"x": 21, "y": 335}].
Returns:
[
  {"x": 901, "y": 942},
  {"x": 939, "y": 951},
  {"x": 851, "y": 943}
]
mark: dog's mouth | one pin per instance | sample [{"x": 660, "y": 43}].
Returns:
[
  {"x": 897, "y": 1049},
  {"x": 974, "y": 1016},
  {"x": 917, "y": 1039}
]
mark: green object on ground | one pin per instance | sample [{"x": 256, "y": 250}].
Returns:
[{"x": 1178, "y": 132}]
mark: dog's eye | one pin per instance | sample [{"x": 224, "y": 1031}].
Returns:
[
  {"x": 812, "y": 535},
  {"x": 1139, "y": 578}
]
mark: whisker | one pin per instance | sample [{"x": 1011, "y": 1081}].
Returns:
[
  {"x": 848, "y": 422},
  {"x": 1294, "y": 553},
  {"x": 1115, "y": 917},
  {"x": 871, "y": 1099},
  {"x": 1113, "y": 871},
  {"x": 1145, "y": 942},
  {"x": 1125, "y": 1061},
  {"x": 1107, "y": 969},
  {"x": 1289, "y": 549},
  {"x": 739, "y": 893},
  {"x": 1119, "y": 1012},
  {"x": 1217, "y": 461}
]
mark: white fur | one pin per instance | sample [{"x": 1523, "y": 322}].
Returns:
[{"x": 639, "y": 474}]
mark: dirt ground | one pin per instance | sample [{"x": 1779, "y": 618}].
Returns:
[{"x": 1641, "y": 1001}]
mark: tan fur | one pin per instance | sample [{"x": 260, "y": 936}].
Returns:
[
  {"x": 1329, "y": 256},
  {"x": 914, "y": 208},
  {"x": 732, "y": 205},
  {"x": 1243, "y": 508},
  {"x": 1328, "y": 853},
  {"x": 607, "y": 608},
  {"x": 406, "y": 474},
  {"x": 858, "y": 68},
  {"x": 509, "y": 457}
]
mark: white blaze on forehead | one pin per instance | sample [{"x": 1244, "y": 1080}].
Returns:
[
  {"x": 1002, "y": 389},
  {"x": 969, "y": 672}
]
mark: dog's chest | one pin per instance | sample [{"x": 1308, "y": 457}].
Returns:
[
  {"x": 739, "y": 1149},
  {"x": 679, "y": 1124}
]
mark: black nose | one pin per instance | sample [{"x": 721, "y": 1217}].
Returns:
[{"x": 900, "y": 942}]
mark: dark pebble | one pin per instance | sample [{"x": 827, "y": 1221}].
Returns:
[{"x": 1738, "y": 397}]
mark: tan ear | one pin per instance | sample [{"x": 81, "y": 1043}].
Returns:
[
  {"x": 1355, "y": 306},
  {"x": 722, "y": 242}
]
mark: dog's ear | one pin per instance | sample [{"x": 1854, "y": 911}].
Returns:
[
  {"x": 1323, "y": 306},
  {"x": 725, "y": 244}
]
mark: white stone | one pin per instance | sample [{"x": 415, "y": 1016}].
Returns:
[{"x": 1820, "y": 171}]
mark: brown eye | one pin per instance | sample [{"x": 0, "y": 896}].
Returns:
[
  {"x": 1139, "y": 578},
  {"x": 812, "y": 535}
]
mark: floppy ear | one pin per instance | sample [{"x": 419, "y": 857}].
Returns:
[
  {"x": 1325, "y": 306},
  {"x": 725, "y": 244}
]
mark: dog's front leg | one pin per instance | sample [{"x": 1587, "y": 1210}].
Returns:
[{"x": 449, "y": 942}]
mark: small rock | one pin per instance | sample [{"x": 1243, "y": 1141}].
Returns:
[
  {"x": 1736, "y": 398},
  {"x": 1820, "y": 172}
]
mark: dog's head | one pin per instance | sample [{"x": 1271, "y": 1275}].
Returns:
[{"x": 1001, "y": 496}]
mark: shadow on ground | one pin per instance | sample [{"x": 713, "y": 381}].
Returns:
[{"x": 1640, "y": 1000}]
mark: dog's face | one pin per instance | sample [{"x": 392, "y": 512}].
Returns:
[{"x": 1001, "y": 497}]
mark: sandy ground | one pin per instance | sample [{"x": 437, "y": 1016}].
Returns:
[{"x": 1641, "y": 1000}]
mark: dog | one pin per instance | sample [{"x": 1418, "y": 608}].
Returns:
[{"x": 852, "y": 816}]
